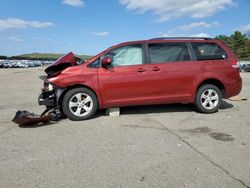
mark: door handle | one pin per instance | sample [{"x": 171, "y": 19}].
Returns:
[
  {"x": 156, "y": 69},
  {"x": 141, "y": 70}
]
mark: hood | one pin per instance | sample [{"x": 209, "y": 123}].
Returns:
[{"x": 64, "y": 62}]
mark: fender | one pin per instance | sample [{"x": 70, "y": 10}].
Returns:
[
  {"x": 77, "y": 76},
  {"x": 206, "y": 77}
]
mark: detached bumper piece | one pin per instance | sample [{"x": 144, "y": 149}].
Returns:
[
  {"x": 48, "y": 99},
  {"x": 26, "y": 118}
]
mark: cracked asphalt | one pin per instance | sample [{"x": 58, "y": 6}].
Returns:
[{"x": 147, "y": 146}]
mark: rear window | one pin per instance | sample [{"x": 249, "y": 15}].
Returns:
[
  {"x": 208, "y": 51},
  {"x": 168, "y": 52}
]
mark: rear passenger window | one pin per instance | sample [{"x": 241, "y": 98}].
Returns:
[
  {"x": 208, "y": 51},
  {"x": 168, "y": 52}
]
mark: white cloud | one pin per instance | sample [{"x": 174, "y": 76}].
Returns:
[
  {"x": 42, "y": 38},
  {"x": 170, "y": 34},
  {"x": 16, "y": 23},
  {"x": 167, "y": 9},
  {"x": 244, "y": 28},
  {"x": 198, "y": 25},
  {"x": 15, "y": 39},
  {"x": 201, "y": 35},
  {"x": 75, "y": 3},
  {"x": 184, "y": 30},
  {"x": 100, "y": 34}
]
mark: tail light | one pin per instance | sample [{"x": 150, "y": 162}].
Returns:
[{"x": 235, "y": 64}]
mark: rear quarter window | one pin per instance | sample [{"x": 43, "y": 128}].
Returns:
[{"x": 208, "y": 51}]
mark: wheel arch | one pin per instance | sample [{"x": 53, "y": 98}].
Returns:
[
  {"x": 66, "y": 90},
  {"x": 215, "y": 82}
]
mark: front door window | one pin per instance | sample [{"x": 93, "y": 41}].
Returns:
[{"x": 126, "y": 55}]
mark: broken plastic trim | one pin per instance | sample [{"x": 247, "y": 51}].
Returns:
[{"x": 27, "y": 118}]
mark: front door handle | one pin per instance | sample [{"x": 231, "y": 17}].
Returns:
[
  {"x": 141, "y": 70},
  {"x": 156, "y": 69}
]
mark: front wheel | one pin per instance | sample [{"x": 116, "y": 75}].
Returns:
[
  {"x": 208, "y": 99},
  {"x": 79, "y": 104}
]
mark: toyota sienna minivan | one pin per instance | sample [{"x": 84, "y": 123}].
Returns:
[{"x": 201, "y": 71}]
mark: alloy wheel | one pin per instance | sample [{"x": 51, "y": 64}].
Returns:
[
  {"x": 80, "y": 104},
  {"x": 209, "y": 99}
]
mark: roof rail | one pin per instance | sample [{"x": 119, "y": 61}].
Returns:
[{"x": 182, "y": 38}]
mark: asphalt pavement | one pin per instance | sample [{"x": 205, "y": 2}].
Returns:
[{"x": 146, "y": 146}]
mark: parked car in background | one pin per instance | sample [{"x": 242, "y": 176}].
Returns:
[
  {"x": 22, "y": 63},
  {"x": 1, "y": 63},
  {"x": 156, "y": 71},
  {"x": 245, "y": 68}
]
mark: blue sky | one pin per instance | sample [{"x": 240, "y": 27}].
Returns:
[{"x": 89, "y": 26}]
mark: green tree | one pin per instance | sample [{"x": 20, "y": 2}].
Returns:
[
  {"x": 238, "y": 42},
  {"x": 228, "y": 40},
  {"x": 248, "y": 47}
]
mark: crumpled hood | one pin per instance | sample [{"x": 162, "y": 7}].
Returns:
[{"x": 59, "y": 65}]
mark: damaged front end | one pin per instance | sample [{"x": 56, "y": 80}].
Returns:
[
  {"x": 51, "y": 113},
  {"x": 49, "y": 97},
  {"x": 50, "y": 94}
]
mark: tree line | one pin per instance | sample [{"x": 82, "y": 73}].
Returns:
[
  {"x": 239, "y": 43},
  {"x": 28, "y": 58}
]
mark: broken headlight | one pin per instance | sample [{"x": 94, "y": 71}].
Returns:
[{"x": 47, "y": 87}]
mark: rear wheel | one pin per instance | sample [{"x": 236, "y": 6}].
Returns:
[
  {"x": 79, "y": 104},
  {"x": 208, "y": 99}
]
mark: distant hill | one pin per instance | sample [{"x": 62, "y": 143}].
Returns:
[
  {"x": 3, "y": 57},
  {"x": 44, "y": 56}
]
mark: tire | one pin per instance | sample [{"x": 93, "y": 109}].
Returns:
[
  {"x": 208, "y": 99},
  {"x": 79, "y": 104}
]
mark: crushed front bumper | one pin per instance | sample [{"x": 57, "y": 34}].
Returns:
[{"x": 47, "y": 98}]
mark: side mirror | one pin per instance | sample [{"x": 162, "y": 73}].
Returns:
[{"x": 106, "y": 61}]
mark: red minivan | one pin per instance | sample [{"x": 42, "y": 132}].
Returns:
[{"x": 202, "y": 71}]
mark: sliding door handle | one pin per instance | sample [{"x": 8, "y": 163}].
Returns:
[
  {"x": 141, "y": 70},
  {"x": 156, "y": 69}
]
